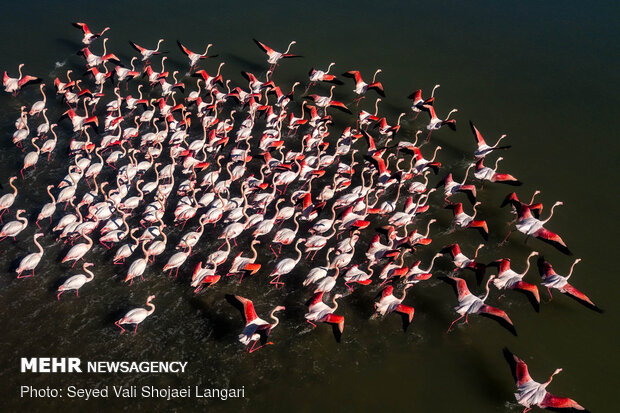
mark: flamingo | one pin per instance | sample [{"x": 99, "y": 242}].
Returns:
[
  {"x": 285, "y": 266},
  {"x": 451, "y": 187},
  {"x": 551, "y": 279},
  {"x": 13, "y": 228},
  {"x": 507, "y": 278},
  {"x": 89, "y": 36},
  {"x": 137, "y": 268},
  {"x": 14, "y": 85},
  {"x": 31, "y": 158},
  {"x": 483, "y": 148},
  {"x": 194, "y": 57},
  {"x": 317, "y": 75},
  {"x": 461, "y": 261},
  {"x": 176, "y": 261},
  {"x": 532, "y": 393},
  {"x": 362, "y": 87},
  {"x": 125, "y": 250},
  {"x": 531, "y": 226},
  {"x": 7, "y": 200},
  {"x": 50, "y": 144},
  {"x": 389, "y": 303},
  {"x": 30, "y": 261},
  {"x": 48, "y": 209},
  {"x": 147, "y": 53},
  {"x": 255, "y": 325},
  {"x": 38, "y": 106},
  {"x": 327, "y": 101},
  {"x": 78, "y": 251},
  {"x": 471, "y": 304},
  {"x": 243, "y": 264},
  {"x": 487, "y": 174},
  {"x": 273, "y": 56},
  {"x": 77, "y": 281},
  {"x": 462, "y": 220},
  {"x": 322, "y": 313},
  {"x": 137, "y": 315},
  {"x": 436, "y": 123}
]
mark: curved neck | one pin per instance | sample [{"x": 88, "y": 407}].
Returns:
[
  {"x": 89, "y": 272},
  {"x": 152, "y": 306},
  {"x": 36, "y": 242},
  {"x": 277, "y": 320}
]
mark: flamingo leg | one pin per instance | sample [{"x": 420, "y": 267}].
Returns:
[
  {"x": 119, "y": 326},
  {"x": 449, "y": 328}
]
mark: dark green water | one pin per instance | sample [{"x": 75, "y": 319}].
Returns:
[{"x": 544, "y": 73}]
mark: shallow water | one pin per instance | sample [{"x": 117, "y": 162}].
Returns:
[{"x": 545, "y": 74}]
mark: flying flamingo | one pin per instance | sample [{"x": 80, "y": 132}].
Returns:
[
  {"x": 137, "y": 315},
  {"x": 325, "y": 101},
  {"x": 317, "y": 75},
  {"x": 147, "y": 53},
  {"x": 320, "y": 312},
  {"x": 531, "y": 226},
  {"x": 485, "y": 173},
  {"x": 273, "y": 56},
  {"x": 436, "y": 123},
  {"x": 462, "y": 220},
  {"x": 362, "y": 87},
  {"x": 389, "y": 303},
  {"x": 461, "y": 261},
  {"x": 483, "y": 148},
  {"x": 30, "y": 261},
  {"x": 77, "y": 281},
  {"x": 451, "y": 187},
  {"x": 14, "y": 85},
  {"x": 551, "y": 279},
  {"x": 255, "y": 325},
  {"x": 419, "y": 104},
  {"x": 194, "y": 57},
  {"x": 89, "y": 36},
  {"x": 471, "y": 304},
  {"x": 507, "y": 278},
  {"x": 532, "y": 393}
]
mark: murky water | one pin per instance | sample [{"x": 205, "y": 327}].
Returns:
[{"x": 545, "y": 74}]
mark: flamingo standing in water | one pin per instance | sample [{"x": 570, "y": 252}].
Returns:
[
  {"x": 532, "y": 393},
  {"x": 78, "y": 251},
  {"x": 13, "y": 228},
  {"x": 254, "y": 325},
  {"x": 551, "y": 279},
  {"x": 471, "y": 304},
  {"x": 137, "y": 315},
  {"x": 285, "y": 266},
  {"x": 30, "y": 261},
  {"x": 7, "y": 200},
  {"x": 243, "y": 264},
  {"x": 77, "y": 281},
  {"x": 389, "y": 303}
]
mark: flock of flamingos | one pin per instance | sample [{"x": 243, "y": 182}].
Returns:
[{"x": 137, "y": 170}]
